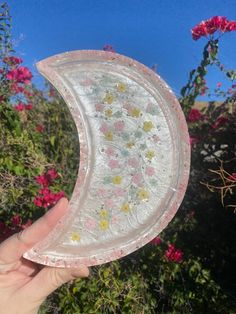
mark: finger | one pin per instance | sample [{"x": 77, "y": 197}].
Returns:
[
  {"x": 13, "y": 248},
  {"x": 51, "y": 278}
]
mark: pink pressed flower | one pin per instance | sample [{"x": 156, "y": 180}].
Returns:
[
  {"x": 119, "y": 192},
  {"x": 150, "y": 171},
  {"x": 173, "y": 255},
  {"x": 194, "y": 115},
  {"x": 115, "y": 220},
  {"x": 108, "y": 203},
  {"x": 156, "y": 241},
  {"x": 219, "y": 84},
  {"x": 113, "y": 164},
  {"x": 133, "y": 162},
  {"x": 155, "y": 138},
  {"x": 119, "y": 125},
  {"x": 99, "y": 107},
  {"x": 90, "y": 224},
  {"x": 104, "y": 128},
  {"x": 110, "y": 152},
  {"x": 101, "y": 192},
  {"x": 137, "y": 178},
  {"x": 29, "y": 107}
]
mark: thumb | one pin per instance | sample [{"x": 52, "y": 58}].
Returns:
[{"x": 51, "y": 278}]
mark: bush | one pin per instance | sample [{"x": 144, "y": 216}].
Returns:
[{"x": 190, "y": 267}]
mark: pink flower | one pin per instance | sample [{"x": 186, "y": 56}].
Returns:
[
  {"x": 137, "y": 178},
  {"x": 193, "y": 140},
  {"x": 20, "y": 75},
  {"x": 119, "y": 192},
  {"x": 101, "y": 192},
  {"x": 27, "y": 224},
  {"x": 219, "y": 122},
  {"x": 110, "y": 152},
  {"x": 42, "y": 180},
  {"x": 150, "y": 171},
  {"x": 90, "y": 224},
  {"x": 108, "y": 203},
  {"x": 108, "y": 48},
  {"x": 39, "y": 128},
  {"x": 16, "y": 220},
  {"x": 113, "y": 164},
  {"x": 104, "y": 128},
  {"x": 156, "y": 241},
  {"x": 29, "y": 107},
  {"x": 199, "y": 31},
  {"x": 173, "y": 255},
  {"x": 194, "y": 115},
  {"x": 119, "y": 125},
  {"x": 12, "y": 60},
  {"x": 232, "y": 177},
  {"x": 133, "y": 162},
  {"x": 15, "y": 88},
  {"x": 19, "y": 107},
  {"x": 99, "y": 107},
  {"x": 219, "y": 84},
  {"x": 52, "y": 174}
]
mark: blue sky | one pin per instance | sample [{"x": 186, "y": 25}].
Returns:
[{"x": 150, "y": 31}]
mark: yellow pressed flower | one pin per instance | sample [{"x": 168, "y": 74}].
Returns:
[
  {"x": 117, "y": 180},
  {"x": 121, "y": 87},
  {"x": 108, "y": 113},
  {"x": 125, "y": 207},
  {"x": 75, "y": 236},
  {"x": 104, "y": 224},
  {"x": 143, "y": 194},
  {"x": 109, "y": 98},
  {"x": 147, "y": 126},
  {"x": 150, "y": 154},
  {"x": 103, "y": 213},
  {"x": 130, "y": 144},
  {"x": 109, "y": 136},
  {"x": 135, "y": 112}
]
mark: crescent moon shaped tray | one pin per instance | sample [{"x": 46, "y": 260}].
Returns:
[{"x": 134, "y": 158}]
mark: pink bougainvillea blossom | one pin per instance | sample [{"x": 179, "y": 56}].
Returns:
[
  {"x": 12, "y": 61},
  {"x": 219, "y": 122},
  {"x": 29, "y": 107},
  {"x": 108, "y": 48},
  {"x": 19, "y": 107},
  {"x": 156, "y": 241},
  {"x": 20, "y": 75},
  {"x": 194, "y": 115},
  {"x": 47, "y": 178},
  {"x": 39, "y": 128},
  {"x": 173, "y": 255},
  {"x": 210, "y": 26}
]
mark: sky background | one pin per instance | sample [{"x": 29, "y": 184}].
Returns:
[{"x": 150, "y": 31}]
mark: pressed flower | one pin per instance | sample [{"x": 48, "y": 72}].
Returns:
[
  {"x": 135, "y": 112},
  {"x": 103, "y": 213},
  {"x": 147, "y": 126},
  {"x": 104, "y": 224},
  {"x": 109, "y": 136},
  {"x": 130, "y": 145},
  {"x": 108, "y": 113},
  {"x": 121, "y": 87},
  {"x": 117, "y": 180},
  {"x": 75, "y": 236},
  {"x": 150, "y": 154},
  {"x": 125, "y": 207},
  {"x": 143, "y": 194},
  {"x": 109, "y": 98}
]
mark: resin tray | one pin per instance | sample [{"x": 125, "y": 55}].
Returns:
[{"x": 134, "y": 158}]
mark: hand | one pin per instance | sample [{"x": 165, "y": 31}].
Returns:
[{"x": 24, "y": 285}]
